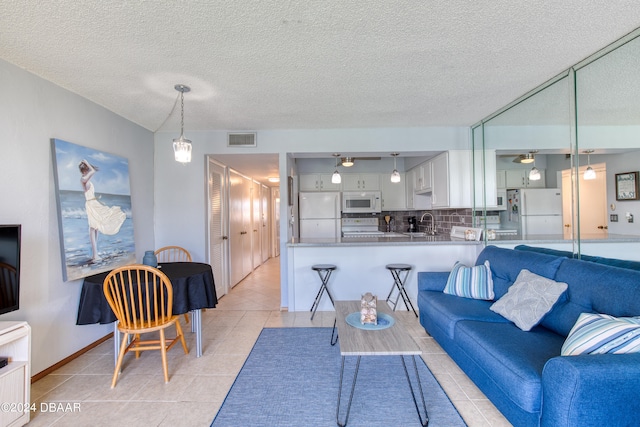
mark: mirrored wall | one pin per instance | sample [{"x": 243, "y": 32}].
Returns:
[{"x": 567, "y": 156}]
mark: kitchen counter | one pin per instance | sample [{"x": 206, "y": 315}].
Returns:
[
  {"x": 442, "y": 239},
  {"x": 559, "y": 238}
]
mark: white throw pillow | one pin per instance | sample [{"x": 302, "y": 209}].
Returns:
[
  {"x": 600, "y": 333},
  {"x": 528, "y": 300}
]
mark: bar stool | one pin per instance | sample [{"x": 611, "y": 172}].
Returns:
[
  {"x": 398, "y": 283},
  {"x": 324, "y": 272}
]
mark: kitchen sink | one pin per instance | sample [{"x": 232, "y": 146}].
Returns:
[{"x": 416, "y": 234}]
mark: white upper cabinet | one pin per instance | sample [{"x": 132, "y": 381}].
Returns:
[
  {"x": 360, "y": 181},
  {"x": 423, "y": 177},
  {"x": 519, "y": 178},
  {"x": 318, "y": 182},
  {"x": 393, "y": 193}
]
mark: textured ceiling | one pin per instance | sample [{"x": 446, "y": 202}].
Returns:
[{"x": 276, "y": 64}]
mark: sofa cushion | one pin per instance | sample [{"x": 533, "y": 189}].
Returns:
[
  {"x": 446, "y": 310},
  {"x": 512, "y": 358},
  {"x": 470, "y": 282},
  {"x": 529, "y": 299},
  {"x": 506, "y": 264},
  {"x": 601, "y": 334},
  {"x": 593, "y": 288}
]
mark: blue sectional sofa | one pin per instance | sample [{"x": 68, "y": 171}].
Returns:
[{"x": 522, "y": 373}]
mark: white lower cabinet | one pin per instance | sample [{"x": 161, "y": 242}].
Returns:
[{"x": 15, "y": 378}]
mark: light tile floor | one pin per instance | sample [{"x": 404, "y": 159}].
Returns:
[{"x": 198, "y": 386}]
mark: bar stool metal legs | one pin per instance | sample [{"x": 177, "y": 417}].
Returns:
[
  {"x": 324, "y": 272},
  {"x": 398, "y": 284}
]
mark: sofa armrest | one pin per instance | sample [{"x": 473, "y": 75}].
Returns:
[
  {"x": 591, "y": 390},
  {"x": 432, "y": 280}
]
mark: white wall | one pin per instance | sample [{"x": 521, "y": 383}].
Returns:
[
  {"x": 32, "y": 111},
  {"x": 180, "y": 190}
]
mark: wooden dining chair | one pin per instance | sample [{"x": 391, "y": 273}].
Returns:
[
  {"x": 174, "y": 254},
  {"x": 141, "y": 298}
]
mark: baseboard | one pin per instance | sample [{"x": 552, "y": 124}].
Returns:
[{"x": 66, "y": 360}]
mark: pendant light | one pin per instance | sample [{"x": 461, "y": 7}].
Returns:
[
  {"x": 336, "y": 178},
  {"x": 395, "y": 175},
  {"x": 589, "y": 173},
  {"x": 182, "y": 146},
  {"x": 534, "y": 173}
]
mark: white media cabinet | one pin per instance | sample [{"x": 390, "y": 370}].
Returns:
[{"x": 15, "y": 378}]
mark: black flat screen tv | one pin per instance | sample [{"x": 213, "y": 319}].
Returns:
[{"x": 9, "y": 268}]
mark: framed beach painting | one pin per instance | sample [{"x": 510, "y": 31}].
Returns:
[{"x": 93, "y": 196}]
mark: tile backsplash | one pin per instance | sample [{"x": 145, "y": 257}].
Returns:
[{"x": 445, "y": 219}]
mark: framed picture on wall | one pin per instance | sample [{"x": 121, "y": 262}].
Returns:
[
  {"x": 627, "y": 186},
  {"x": 93, "y": 197}
]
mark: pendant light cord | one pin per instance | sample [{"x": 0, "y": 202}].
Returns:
[{"x": 175, "y": 103}]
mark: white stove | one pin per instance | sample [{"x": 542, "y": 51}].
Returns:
[
  {"x": 361, "y": 227},
  {"x": 492, "y": 222}
]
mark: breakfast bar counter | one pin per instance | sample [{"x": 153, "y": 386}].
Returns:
[
  {"x": 361, "y": 261},
  {"x": 361, "y": 265}
]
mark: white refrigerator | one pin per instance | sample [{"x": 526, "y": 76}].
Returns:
[
  {"x": 319, "y": 214},
  {"x": 534, "y": 211}
]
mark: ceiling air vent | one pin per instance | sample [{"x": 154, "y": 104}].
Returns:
[{"x": 244, "y": 139}]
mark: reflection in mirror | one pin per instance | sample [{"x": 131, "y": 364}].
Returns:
[
  {"x": 530, "y": 141},
  {"x": 608, "y": 135}
]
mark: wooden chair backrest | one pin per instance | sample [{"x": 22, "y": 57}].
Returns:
[
  {"x": 8, "y": 284},
  {"x": 173, "y": 254},
  {"x": 140, "y": 296}
]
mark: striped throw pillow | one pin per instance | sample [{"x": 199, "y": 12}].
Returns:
[
  {"x": 600, "y": 333},
  {"x": 470, "y": 282}
]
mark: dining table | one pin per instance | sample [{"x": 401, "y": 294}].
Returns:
[{"x": 193, "y": 290}]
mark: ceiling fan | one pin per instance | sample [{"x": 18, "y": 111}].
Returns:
[
  {"x": 349, "y": 161},
  {"x": 522, "y": 158}
]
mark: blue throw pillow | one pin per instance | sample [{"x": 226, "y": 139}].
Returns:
[
  {"x": 600, "y": 334},
  {"x": 470, "y": 282}
]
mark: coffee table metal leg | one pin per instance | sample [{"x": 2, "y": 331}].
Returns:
[
  {"x": 425, "y": 421},
  {"x": 353, "y": 387},
  {"x": 333, "y": 331}
]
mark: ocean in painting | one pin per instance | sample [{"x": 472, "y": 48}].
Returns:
[{"x": 114, "y": 251}]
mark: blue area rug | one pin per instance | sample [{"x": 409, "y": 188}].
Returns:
[{"x": 291, "y": 378}]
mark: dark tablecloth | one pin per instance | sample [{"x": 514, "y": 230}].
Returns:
[{"x": 193, "y": 289}]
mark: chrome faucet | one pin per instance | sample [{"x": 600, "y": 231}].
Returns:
[{"x": 433, "y": 223}]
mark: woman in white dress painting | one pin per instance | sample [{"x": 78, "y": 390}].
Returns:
[{"x": 103, "y": 219}]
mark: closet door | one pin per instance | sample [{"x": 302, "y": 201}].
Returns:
[
  {"x": 218, "y": 238},
  {"x": 264, "y": 209},
  {"x": 256, "y": 226},
  {"x": 239, "y": 227}
]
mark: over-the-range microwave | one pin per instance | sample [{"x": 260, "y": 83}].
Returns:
[{"x": 361, "y": 202}]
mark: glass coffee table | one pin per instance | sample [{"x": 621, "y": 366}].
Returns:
[{"x": 362, "y": 340}]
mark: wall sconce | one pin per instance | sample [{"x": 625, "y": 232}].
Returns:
[
  {"x": 182, "y": 146},
  {"x": 589, "y": 173},
  {"x": 336, "y": 178},
  {"x": 395, "y": 175}
]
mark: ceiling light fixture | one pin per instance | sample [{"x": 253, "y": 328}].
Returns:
[
  {"x": 336, "y": 178},
  {"x": 526, "y": 158},
  {"x": 273, "y": 179},
  {"x": 534, "y": 174},
  {"x": 182, "y": 146},
  {"x": 347, "y": 162},
  {"x": 395, "y": 175},
  {"x": 589, "y": 173}
]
